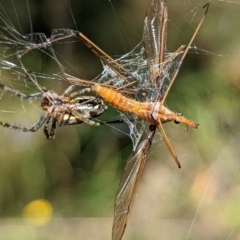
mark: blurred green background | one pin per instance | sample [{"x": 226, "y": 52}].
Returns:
[{"x": 78, "y": 172}]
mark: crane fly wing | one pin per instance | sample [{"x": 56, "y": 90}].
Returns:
[
  {"x": 154, "y": 32},
  {"x": 154, "y": 38},
  {"x": 128, "y": 186}
]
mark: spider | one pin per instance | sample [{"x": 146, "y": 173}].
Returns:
[{"x": 70, "y": 108}]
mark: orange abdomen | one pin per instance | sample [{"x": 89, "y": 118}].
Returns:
[
  {"x": 153, "y": 112},
  {"x": 123, "y": 103}
]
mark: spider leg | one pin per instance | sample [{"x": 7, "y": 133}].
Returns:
[
  {"x": 45, "y": 130},
  {"x": 34, "y": 96},
  {"x": 118, "y": 120},
  {"x": 80, "y": 92},
  {"x": 68, "y": 90},
  {"x": 84, "y": 118},
  {"x": 20, "y": 94},
  {"x": 34, "y": 128},
  {"x": 13, "y": 126},
  {"x": 39, "y": 123},
  {"x": 53, "y": 129},
  {"x": 30, "y": 78}
]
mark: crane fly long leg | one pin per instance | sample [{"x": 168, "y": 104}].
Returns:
[
  {"x": 185, "y": 52},
  {"x": 106, "y": 58},
  {"x": 170, "y": 148},
  {"x": 129, "y": 184},
  {"x": 83, "y": 82}
]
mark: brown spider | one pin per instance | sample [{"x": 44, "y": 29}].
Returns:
[{"x": 70, "y": 108}]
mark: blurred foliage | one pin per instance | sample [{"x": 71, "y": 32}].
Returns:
[{"x": 78, "y": 173}]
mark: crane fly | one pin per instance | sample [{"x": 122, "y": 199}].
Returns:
[{"x": 154, "y": 112}]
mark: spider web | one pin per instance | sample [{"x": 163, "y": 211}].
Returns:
[
  {"x": 16, "y": 46},
  {"x": 219, "y": 178}
]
